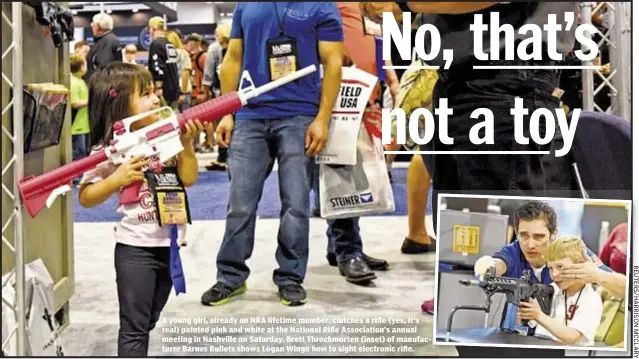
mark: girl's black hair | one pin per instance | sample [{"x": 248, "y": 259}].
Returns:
[{"x": 110, "y": 92}]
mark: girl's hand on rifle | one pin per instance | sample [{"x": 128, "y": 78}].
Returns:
[
  {"x": 130, "y": 171},
  {"x": 529, "y": 310},
  {"x": 193, "y": 130}
]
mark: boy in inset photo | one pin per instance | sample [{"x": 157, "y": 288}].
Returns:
[{"x": 576, "y": 307}]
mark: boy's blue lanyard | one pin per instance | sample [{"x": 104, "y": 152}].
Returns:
[{"x": 175, "y": 263}]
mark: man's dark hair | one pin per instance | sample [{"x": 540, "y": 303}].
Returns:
[
  {"x": 205, "y": 43},
  {"x": 194, "y": 37},
  {"x": 533, "y": 210}
]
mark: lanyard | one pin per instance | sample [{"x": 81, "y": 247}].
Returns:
[
  {"x": 566, "y": 307},
  {"x": 283, "y": 20},
  {"x": 175, "y": 267}
]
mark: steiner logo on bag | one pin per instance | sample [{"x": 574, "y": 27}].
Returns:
[
  {"x": 366, "y": 197},
  {"x": 352, "y": 201}
]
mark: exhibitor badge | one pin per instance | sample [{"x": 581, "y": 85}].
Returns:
[
  {"x": 171, "y": 202},
  {"x": 282, "y": 57}
]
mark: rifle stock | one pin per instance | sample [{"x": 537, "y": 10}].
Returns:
[{"x": 35, "y": 190}]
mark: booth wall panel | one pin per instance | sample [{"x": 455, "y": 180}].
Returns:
[{"x": 49, "y": 236}]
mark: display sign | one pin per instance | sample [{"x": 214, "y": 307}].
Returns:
[{"x": 466, "y": 239}]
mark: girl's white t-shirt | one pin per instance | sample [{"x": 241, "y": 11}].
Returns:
[
  {"x": 139, "y": 224},
  {"x": 587, "y": 316}
]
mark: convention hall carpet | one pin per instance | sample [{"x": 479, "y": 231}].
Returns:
[
  {"x": 208, "y": 198},
  {"x": 392, "y": 303}
]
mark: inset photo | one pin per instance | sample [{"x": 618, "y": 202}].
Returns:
[{"x": 532, "y": 272}]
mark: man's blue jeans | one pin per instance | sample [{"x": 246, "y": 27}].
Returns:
[
  {"x": 79, "y": 146},
  {"x": 316, "y": 197},
  {"x": 343, "y": 234},
  {"x": 253, "y": 145},
  {"x": 344, "y": 239}
]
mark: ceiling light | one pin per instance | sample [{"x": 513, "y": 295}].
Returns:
[
  {"x": 109, "y": 11},
  {"x": 135, "y": 10},
  {"x": 74, "y": 12}
]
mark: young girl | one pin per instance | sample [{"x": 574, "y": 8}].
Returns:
[{"x": 142, "y": 250}]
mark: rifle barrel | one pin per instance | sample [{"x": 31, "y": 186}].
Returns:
[
  {"x": 283, "y": 80},
  {"x": 469, "y": 282}
]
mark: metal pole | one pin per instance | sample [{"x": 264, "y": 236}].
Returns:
[
  {"x": 622, "y": 80},
  {"x": 588, "y": 83},
  {"x": 18, "y": 173}
]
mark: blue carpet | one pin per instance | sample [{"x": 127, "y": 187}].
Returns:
[{"x": 208, "y": 199}]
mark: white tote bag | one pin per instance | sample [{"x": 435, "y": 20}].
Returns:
[
  {"x": 8, "y": 321},
  {"x": 355, "y": 91},
  {"x": 363, "y": 189},
  {"x": 43, "y": 338}
]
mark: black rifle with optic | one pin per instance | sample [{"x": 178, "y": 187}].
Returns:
[{"x": 517, "y": 290}]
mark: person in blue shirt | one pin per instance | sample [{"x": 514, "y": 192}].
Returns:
[
  {"x": 536, "y": 227},
  {"x": 289, "y": 124}
]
